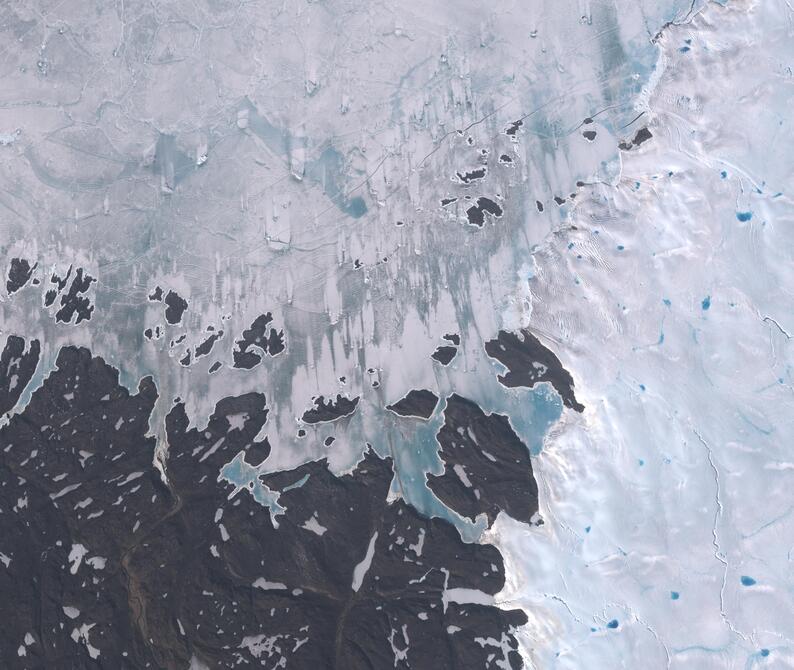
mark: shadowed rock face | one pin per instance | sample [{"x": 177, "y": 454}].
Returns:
[
  {"x": 529, "y": 363},
  {"x": 104, "y": 566},
  {"x": 420, "y": 404},
  {"x": 17, "y": 366},
  {"x": 486, "y": 466}
]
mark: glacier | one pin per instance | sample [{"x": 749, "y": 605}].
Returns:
[
  {"x": 668, "y": 501},
  {"x": 275, "y": 219}
]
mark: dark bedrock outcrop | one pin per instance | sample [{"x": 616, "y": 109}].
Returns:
[
  {"x": 102, "y": 565},
  {"x": 416, "y": 403},
  {"x": 175, "y": 307},
  {"x": 529, "y": 362},
  {"x": 76, "y": 485},
  {"x": 486, "y": 466},
  {"x": 259, "y": 339},
  {"x": 17, "y": 364},
  {"x": 444, "y": 354},
  {"x": 19, "y": 273},
  {"x": 325, "y": 411},
  {"x": 642, "y": 135}
]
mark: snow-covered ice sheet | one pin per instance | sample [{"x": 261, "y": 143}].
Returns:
[{"x": 670, "y": 518}]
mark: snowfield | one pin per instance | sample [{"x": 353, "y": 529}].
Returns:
[{"x": 668, "y": 504}]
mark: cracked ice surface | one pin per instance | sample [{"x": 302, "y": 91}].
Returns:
[
  {"x": 668, "y": 504},
  {"x": 258, "y": 157}
]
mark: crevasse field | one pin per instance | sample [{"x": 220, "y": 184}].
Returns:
[{"x": 237, "y": 235}]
